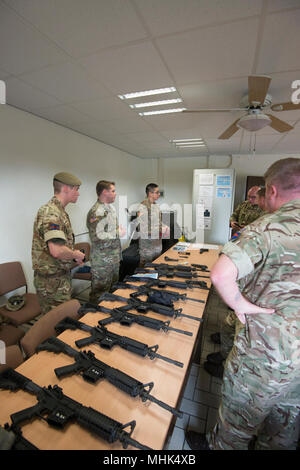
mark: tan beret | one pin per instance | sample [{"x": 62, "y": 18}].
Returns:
[{"x": 67, "y": 178}]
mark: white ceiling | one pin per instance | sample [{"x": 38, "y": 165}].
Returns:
[{"x": 67, "y": 61}]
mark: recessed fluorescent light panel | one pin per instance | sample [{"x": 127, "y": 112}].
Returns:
[
  {"x": 155, "y": 103},
  {"x": 188, "y": 143},
  {"x": 138, "y": 94},
  {"x": 162, "y": 111}
]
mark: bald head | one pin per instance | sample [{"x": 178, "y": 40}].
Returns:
[
  {"x": 251, "y": 195},
  {"x": 282, "y": 183}
]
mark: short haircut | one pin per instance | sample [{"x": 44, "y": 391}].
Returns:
[
  {"x": 284, "y": 174},
  {"x": 101, "y": 185},
  {"x": 261, "y": 192},
  {"x": 150, "y": 188},
  {"x": 57, "y": 185}
]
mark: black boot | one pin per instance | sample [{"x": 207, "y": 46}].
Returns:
[
  {"x": 216, "y": 370},
  {"x": 196, "y": 440},
  {"x": 215, "y": 358}
]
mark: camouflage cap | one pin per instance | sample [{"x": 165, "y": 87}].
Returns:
[{"x": 67, "y": 178}]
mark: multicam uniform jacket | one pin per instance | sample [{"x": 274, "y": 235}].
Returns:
[
  {"x": 150, "y": 243},
  {"x": 52, "y": 278},
  {"x": 246, "y": 213},
  {"x": 262, "y": 373},
  {"x": 102, "y": 224}
]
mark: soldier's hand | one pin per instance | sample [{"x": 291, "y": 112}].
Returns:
[
  {"x": 252, "y": 309},
  {"x": 78, "y": 257},
  {"x": 234, "y": 225}
]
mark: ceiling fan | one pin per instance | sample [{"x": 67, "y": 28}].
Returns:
[{"x": 254, "y": 104}]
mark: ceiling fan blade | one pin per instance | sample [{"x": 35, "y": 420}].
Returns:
[
  {"x": 213, "y": 110},
  {"x": 279, "y": 125},
  {"x": 289, "y": 106},
  {"x": 258, "y": 88},
  {"x": 230, "y": 131}
]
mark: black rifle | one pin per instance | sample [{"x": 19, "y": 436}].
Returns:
[
  {"x": 162, "y": 283},
  {"x": 60, "y": 409},
  {"x": 162, "y": 272},
  {"x": 106, "y": 339},
  {"x": 92, "y": 370},
  {"x": 127, "y": 318},
  {"x": 121, "y": 315},
  {"x": 178, "y": 267},
  {"x": 167, "y": 296},
  {"x": 144, "y": 307}
]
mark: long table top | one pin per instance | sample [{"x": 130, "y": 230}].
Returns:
[{"x": 152, "y": 421}]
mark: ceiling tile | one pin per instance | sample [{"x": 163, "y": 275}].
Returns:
[
  {"x": 105, "y": 109},
  {"x": 170, "y": 16},
  {"x": 131, "y": 68},
  {"x": 23, "y": 48},
  {"x": 280, "y": 51},
  {"x": 213, "y": 53},
  {"x": 62, "y": 114},
  {"x": 277, "y": 5},
  {"x": 83, "y": 27},
  {"x": 24, "y": 96},
  {"x": 67, "y": 82}
]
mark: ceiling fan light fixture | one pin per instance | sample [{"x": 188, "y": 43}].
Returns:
[{"x": 254, "y": 122}]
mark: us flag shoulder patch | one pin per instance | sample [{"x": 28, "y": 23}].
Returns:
[{"x": 93, "y": 219}]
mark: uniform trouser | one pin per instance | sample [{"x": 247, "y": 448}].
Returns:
[
  {"x": 52, "y": 290},
  {"x": 103, "y": 277},
  {"x": 149, "y": 250},
  {"x": 257, "y": 400}
]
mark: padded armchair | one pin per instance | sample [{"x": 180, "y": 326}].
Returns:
[
  {"x": 44, "y": 327},
  {"x": 12, "y": 277},
  {"x": 39, "y": 332},
  {"x": 10, "y": 334}
]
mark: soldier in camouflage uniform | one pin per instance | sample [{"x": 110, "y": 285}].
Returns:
[
  {"x": 246, "y": 212},
  {"x": 103, "y": 228},
  {"x": 261, "y": 383},
  {"x": 53, "y": 243},
  {"x": 150, "y": 225}
]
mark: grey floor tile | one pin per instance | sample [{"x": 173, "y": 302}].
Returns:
[
  {"x": 194, "y": 408},
  {"x": 203, "y": 380},
  {"x": 206, "y": 398},
  {"x": 177, "y": 440},
  {"x": 190, "y": 387},
  {"x": 183, "y": 422}
]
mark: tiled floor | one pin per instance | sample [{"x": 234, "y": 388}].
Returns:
[{"x": 201, "y": 397}]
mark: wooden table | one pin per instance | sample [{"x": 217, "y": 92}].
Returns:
[{"x": 152, "y": 421}]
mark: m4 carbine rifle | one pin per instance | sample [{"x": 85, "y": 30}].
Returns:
[
  {"x": 61, "y": 409},
  {"x": 164, "y": 297},
  {"x": 92, "y": 370},
  {"x": 126, "y": 318},
  {"x": 170, "y": 274},
  {"x": 106, "y": 339},
  {"x": 162, "y": 283},
  {"x": 178, "y": 267},
  {"x": 144, "y": 307}
]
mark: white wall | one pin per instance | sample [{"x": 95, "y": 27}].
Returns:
[
  {"x": 32, "y": 150},
  {"x": 176, "y": 174}
]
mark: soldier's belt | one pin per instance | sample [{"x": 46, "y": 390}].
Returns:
[{"x": 57, "y": 274}]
